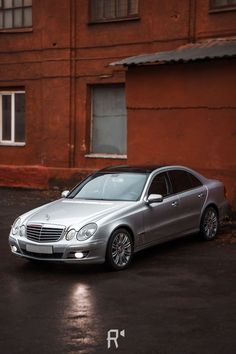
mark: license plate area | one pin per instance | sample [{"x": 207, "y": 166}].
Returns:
[{"x": 39, "y": 249}]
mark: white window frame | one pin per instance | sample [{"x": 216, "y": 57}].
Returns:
[{"x": 12, "y": 141}]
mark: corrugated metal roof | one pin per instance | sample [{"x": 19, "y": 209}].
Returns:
[{"x": 210, "y": 49}]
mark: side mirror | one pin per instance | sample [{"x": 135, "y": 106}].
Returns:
[
  {"x": 155, "y": 198},
  {"x": 64, "y": 194}
]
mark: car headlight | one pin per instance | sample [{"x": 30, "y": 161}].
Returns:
[
  {"x": 86, "y": 232},
  {"x": 16, "y": 226},
  {"x": 22, "y": 230},
  {"x": 70, "y": 234}
]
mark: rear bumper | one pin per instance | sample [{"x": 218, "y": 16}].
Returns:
[
  {"x": 94, "y": 252},
  {"x": 223, "y": 210}
]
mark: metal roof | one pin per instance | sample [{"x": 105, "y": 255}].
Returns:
[{"x": 210, "y": 49}]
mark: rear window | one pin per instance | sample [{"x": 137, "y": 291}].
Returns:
[
  {"x": 183, "y": 181},
  {"x": 195, "y": 181}
]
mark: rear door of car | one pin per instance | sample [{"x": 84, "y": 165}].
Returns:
[
  {"x": 192, "y": 195},
  {"x": 161, "y": 219}
]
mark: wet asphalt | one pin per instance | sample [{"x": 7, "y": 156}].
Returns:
[{"x": 177, "y": 298}]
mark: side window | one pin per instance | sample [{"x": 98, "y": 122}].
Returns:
[
  {"x": 159, "y": 185},
  {"x": 195, "y": 181},
  {"x": 180, "y": 181}
]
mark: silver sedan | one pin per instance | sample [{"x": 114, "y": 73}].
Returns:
[{"x": 118, "y": 211}]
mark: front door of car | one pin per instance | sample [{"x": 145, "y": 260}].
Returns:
[{"x": 161, "y": 218}]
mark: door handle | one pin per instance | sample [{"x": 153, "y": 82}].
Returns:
[
  {"x": 175, "y": 203},
  {"x": 200, "y": 195}
]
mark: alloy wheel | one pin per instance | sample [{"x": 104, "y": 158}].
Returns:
[
  {"x": 121, "y": 249},
  {"x": 210, "y": 223}
]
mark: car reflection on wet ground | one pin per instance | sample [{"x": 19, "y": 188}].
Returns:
[{"x": 175, "y": 298}]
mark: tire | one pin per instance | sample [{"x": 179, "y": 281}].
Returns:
[
  {"x": 119, "y": 250},
  {"x": 209, "y": 224}
]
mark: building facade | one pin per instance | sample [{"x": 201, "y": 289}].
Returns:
[
  {"x": 63, "y": 108},
  {"x": 183, "y": 103}
]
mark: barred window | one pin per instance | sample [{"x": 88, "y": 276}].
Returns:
[
  {"x": 15, "y": 14},
  {"x": 222, "y": 4},
  {"x": 113, "y": 10}
]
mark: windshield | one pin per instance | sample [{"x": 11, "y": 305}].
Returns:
[{"x": 111, "y": 186}]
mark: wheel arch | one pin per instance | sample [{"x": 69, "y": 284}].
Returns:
[
  {"x": 212, "y": 205},
  {"x": 127, "y": 228}
]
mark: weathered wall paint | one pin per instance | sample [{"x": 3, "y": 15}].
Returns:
[{"x": 185, "y": 114}]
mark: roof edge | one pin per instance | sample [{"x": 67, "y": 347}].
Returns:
[{"x": 203, "y": 50}]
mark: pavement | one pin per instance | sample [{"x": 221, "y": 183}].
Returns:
[{"x": 176, "y": 298}]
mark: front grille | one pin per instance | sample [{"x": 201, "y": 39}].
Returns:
[{"x": 42, "y": 233}]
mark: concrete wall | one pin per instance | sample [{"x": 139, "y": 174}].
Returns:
[{"x": 185, "y": 114}]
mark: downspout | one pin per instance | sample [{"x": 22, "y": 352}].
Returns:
[
  {"x": 192, "y": 21},
  {"x": 72, "y": 102}
]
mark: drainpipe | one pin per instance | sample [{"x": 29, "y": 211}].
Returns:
[
  {"x": 72, "y": 108},
  {"x": 192, "y": 21}
]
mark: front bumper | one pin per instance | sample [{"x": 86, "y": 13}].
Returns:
[{"x": 94, "y": 251}]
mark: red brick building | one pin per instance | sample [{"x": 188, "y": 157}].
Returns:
[{"x": 63, "y": 107}]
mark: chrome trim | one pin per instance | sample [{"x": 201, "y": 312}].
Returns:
[{"x": 44, "y": 232}]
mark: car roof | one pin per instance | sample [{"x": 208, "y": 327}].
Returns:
[{"x": 133, "y": 169}]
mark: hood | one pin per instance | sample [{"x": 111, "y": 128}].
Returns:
[{"x": 73, "y": 211}]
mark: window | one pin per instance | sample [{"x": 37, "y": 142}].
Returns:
[
  {"x": 111, "y": 186},
  {"x": 182, "y": 181},
  {"x": 12, "y": 117},
  {"x": 222, "y": 5},
  {"x": 113, "y": 10},
  {"x": 195, "y": 181},
  {"x": 108, "y": 120},
  {"x": 15, "y": 14},
  {"x": 160, "y": 185}
]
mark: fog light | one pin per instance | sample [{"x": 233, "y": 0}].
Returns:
[
  {"x": 14, "y": 248},
  {"x": 79, "y": 255}
]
